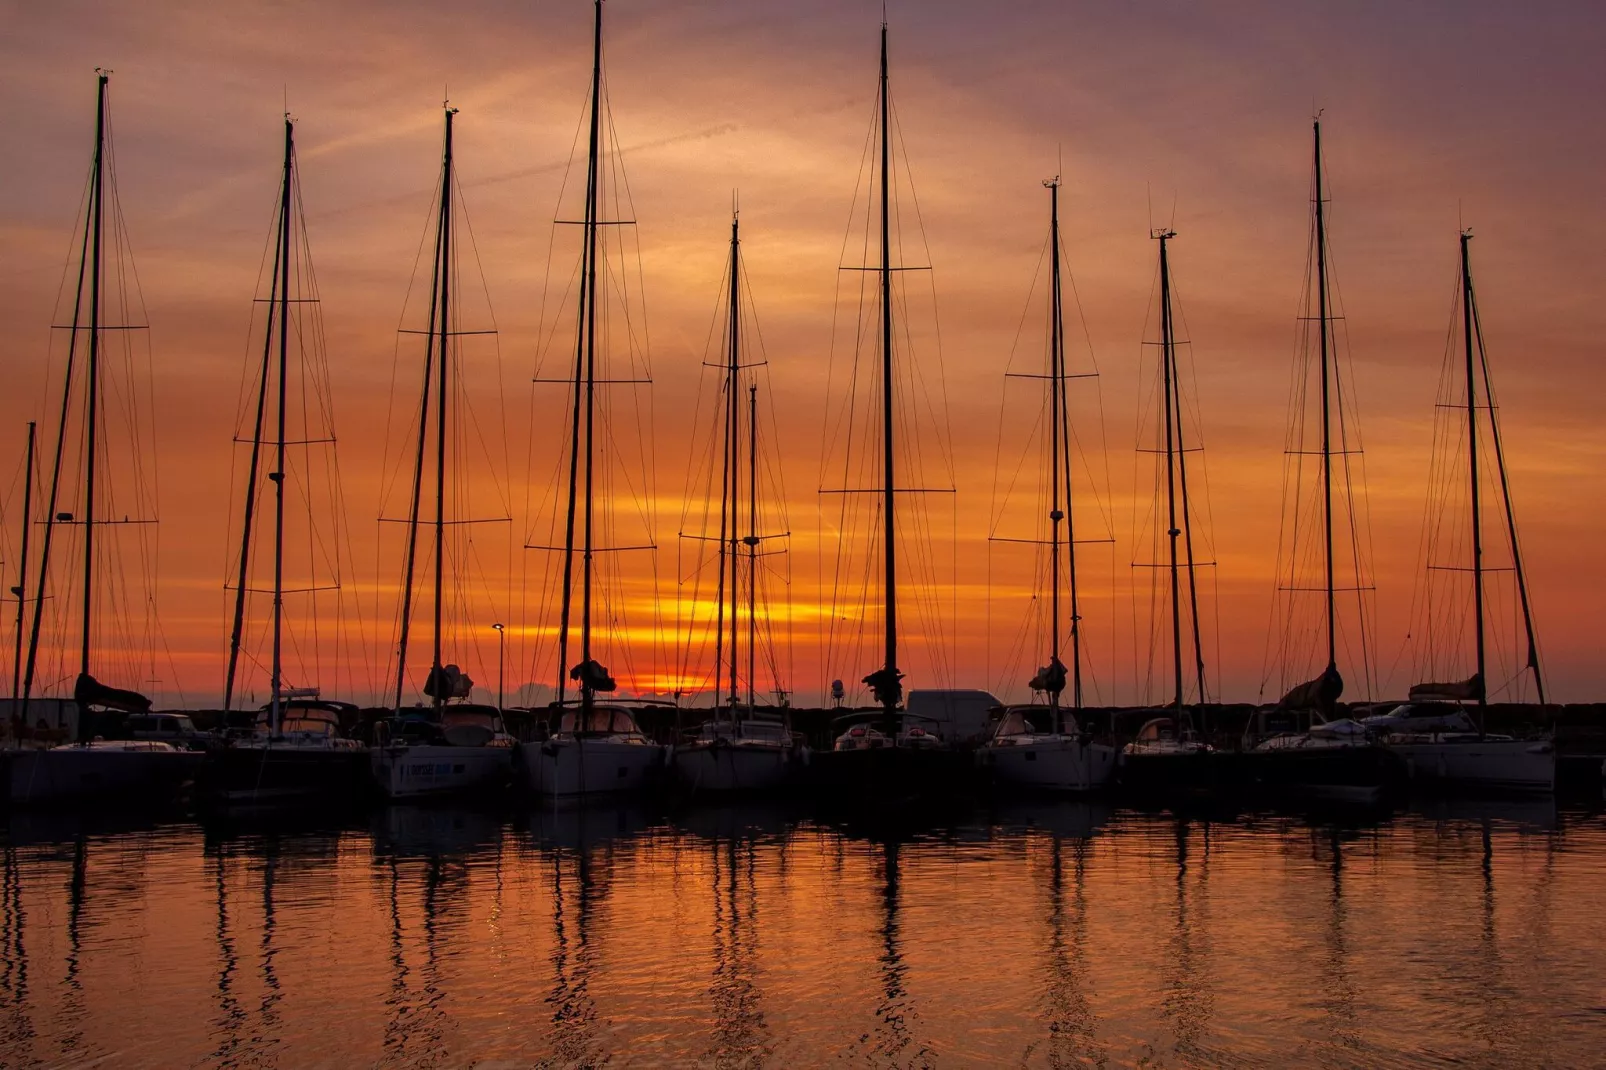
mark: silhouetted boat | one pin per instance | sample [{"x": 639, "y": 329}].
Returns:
[
  {"x": 449, "y": 745},
  {"x": 1042, "y": 747},
  {"x": 1440, "y": 742},
  {"x": 297, "y": 750},
  {"x": 595, "y": 744},
  {"x": 297, "y": 747},
  {"x": 141, "y": 770},
  {"x": 740, "y": 748},
  {"x": 1168, "y": 756},
  {"x": 1319, "y": 755},
  {"x": 892, "y": 755}
]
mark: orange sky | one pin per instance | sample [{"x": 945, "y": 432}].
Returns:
[{"x": 1437, "y": 117}]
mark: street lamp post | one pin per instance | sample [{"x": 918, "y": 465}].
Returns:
[{"x": 501, "y": 660}]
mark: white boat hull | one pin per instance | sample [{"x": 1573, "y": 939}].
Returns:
[
  {"x": 1054, "y": 763},
  {"x": 731, "y": 767},
  {"x": 405, "y": 772},
  {"x": 566, "y": 768},
  {"x": 1500, "y": 764}
]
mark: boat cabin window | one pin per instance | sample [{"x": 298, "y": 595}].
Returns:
[
  {"x": 453, "y": 718},
  {"x": 311, "y": 722},
  {"x": 604, "y": 720}
]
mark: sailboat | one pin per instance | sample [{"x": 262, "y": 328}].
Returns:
[
  {"x": 1034, "y": 746},
  {"x": 888, "y": 751},
  {"x": 1332, "y": 758},
  {"x": 738, "y": 749},
  {"x": 1433, "y": 732},
  {"x": 1168, "y": 754},
  {"x": 450, "y": 746},
  {"x": 594, "y": 743},
  {"x": 296, "y": 746},
  {"x": 148, "y": 770}
]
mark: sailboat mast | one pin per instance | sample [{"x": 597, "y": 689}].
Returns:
[
  {"x": 242, "y": 575},
  {"x": 277, "y": 475},
  {"x": 442, "y": 257},
  {"x": 889, "y": 485},
  {"x": 1168, "y": 379},
  {"x": 752, "y": 546},
  {"x": 588, "y": 558},
  {"x": 21, "y": 589},
  {"x": 1472, "y": 471},
  {"x": 727, "y": 498},
  {"x": 1327, "y": 413},
  {"x": 585, "y": 319},
  {"x": 92, "y": 406},
  {"x": 61, "y": 425},
  {"x": 733, "y": 459},
  {"x": 1056, "y": 372},
  {"x": 1505, "y": 494},
  {"x": 1187, "y": 528},
  {"x": 442, "y": 348}
]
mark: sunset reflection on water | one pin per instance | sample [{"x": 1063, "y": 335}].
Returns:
[{"x": 1058, "y": 935}]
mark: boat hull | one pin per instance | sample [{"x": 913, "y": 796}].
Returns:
[
  {"x": 1176, "y": 773},
  {"x": 727, "y": 767},
  {"x": 414, "y": 771},
  {"x": 1054, "y": 764},
  {"x": 1362, "y": 774},
  {"x": 1490, "y": 764},
  {"x": 568, "y": 768},
  {"x": 270, "y": 772},
  {"x": 59, "y": 774},
  {"x": 891, "y": 774}
]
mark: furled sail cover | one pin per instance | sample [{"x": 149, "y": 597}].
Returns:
[
  {"x": 1051, "y": 677},
  {"x": 89, "y": 691},
  {"x": 448, "y": 681},
  {"x": 1468, "y": 690},
  {"x": 593, "y": 675},
  {"x": 1319, "y": 694},
  {"x": 887, "y": 685}
]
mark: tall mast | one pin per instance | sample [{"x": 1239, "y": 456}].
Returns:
[
  {"x": 1187, "y": 528},
  {"x": 1472, "y": 473},
  {"x": 277, "y": 475},
  {"x": 752, "y": 546},
  {"x": 20, "y": 590},
  {"x": 92, "y": 411},
  {"x": 1505, "y": 494},
  {"x": 66, "y": 404},
  {"x": 733, "y": 458},
  {"x": 1327, "y": 413},
  {"x": 584, "y": 391},
  {"x": 889, "y": 485},
  {"x": 242, "y": 575},
  {"x": 442, "y": 348},
  {"x": 1172, "y": 428},
  {"x": 438, "y": 294},
  {"x": 1056, "y": 398}
]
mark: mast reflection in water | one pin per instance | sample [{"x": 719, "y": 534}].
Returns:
[{"x": 1042, "y": 936}]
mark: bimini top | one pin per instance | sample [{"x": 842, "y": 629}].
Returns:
[
  {"x": 1028, "y": 721},
  {"x": 603, "y": 719}
]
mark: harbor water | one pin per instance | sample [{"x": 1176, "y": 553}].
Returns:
[{"x": 1061, "y": 934}]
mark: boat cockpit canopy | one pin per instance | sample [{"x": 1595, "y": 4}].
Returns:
[
  {"x": 600, "y": 721},
  {"x": 301, "y": 720},
  {"x": 1031, "y": 721},
  {"x": 1158, "y": 730}
]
